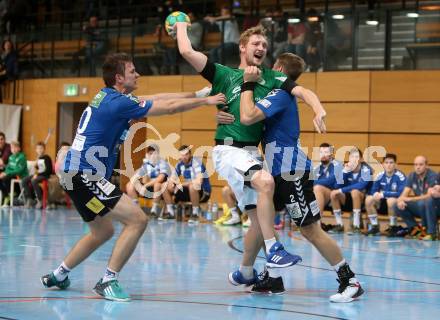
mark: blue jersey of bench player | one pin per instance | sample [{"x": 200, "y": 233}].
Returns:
[
  {"x": 327, "y": 176},
  {"x": 361, "y": 180},
  {"x": 391, "y": 187},
  {"x": 102, "y": 129}
]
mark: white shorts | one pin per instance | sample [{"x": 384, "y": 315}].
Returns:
[{"x": 231, "y": 163}]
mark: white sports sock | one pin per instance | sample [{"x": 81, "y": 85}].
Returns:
[
  {"x": 393, "y": 221},
  {"x": 61, "y": 272},
  {"x": 373, "y": 219},
  {"x": 357, "y": 218},
  {"x": 196, "y": 211},
  {"x": 110, "y": 275},
  {"x": 339, "y": 264},
  {"x": 269, "y": 243},
  {"x": 274, "y": 272},
  {"x": 338, "y": 217},
  {"x": 247, "y": 271},
  {"x": 155, "y": 208},
  {"x": 170, "y": 209}
]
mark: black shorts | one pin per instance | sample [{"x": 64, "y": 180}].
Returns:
[
  {"x": 298, "y": 199},
  {"x": 183, "y": 196},
  {"x": 92, "y": 198}
]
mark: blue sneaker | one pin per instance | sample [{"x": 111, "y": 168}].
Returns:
[
  {"x": 236, "y": 278},
  {"x": 278, "y": 257}
]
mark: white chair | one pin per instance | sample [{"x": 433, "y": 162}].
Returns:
[{"x": 13, "y": 182}]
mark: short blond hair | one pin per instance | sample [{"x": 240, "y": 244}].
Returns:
[{"x": 257, "y": 30}]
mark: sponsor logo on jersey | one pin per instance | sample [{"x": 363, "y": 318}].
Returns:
[
  {"x": 98, "y": 99},
  {"x": 282, "y": 79},
  {"x": 265, "y": 103},
  {"x": 294, "y": 210}
]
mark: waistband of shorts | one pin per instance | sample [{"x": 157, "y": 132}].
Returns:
[{"x": 237, "y": 144}]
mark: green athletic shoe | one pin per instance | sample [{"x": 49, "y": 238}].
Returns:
[
  {"x": 111, "y": 290},
  {"x": 49, "y": 281}
]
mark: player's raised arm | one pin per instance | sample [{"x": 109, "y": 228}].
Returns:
[
  {"x": 195, "y": 58},
  {"x": 311, "y": 99},
  {"x": 171, "y": 106},
  {"x": 249, "y": 113},
  {"x": 202, "y": 93}
]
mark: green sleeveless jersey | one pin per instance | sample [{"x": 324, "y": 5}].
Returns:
[{"x": 228, "y": 81}]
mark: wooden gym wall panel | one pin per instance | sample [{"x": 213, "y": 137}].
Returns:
[
  {"x": 405, "y": 117},
  {"x": 405, "y": 86},
  {"x": 408, "y": 146},
  {"x": 306, "y": 116},
  {"x": 343, "y": 86},
  {"x": 347, "y": 117},
  {"x": 341, "y": 140},
  {"x": 40, "y": 114},
  {"x": 166, "y": 130},
  {"x": 408, "y": 168},
  {"x": 198, "y": 138},
  {"x": 202, "y": 118},
  {"x": 308, "y": 80}
]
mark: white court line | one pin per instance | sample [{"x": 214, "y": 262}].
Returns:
[
  {"x": 28, "y": 245},
  {"x": 386, "y": 241}
]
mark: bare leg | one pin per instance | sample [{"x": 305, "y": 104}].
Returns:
[
  {"x": 325, "y": 244},
  {"x": 263, "y": 183},
  {"x": 131, "y": 191},
  {"x": 370, "y": 206},
  {"x": 101, "y": 230},
  {"x": 253, "y": 240},
  {"x": 194, "y": 195},
  {"x": 229, "y": 197},
  {"x": 322, "y": 195},
  {"x": 135, "y": 222}
]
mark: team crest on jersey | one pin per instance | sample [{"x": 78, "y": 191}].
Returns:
[{"x": 98, "y": 99}]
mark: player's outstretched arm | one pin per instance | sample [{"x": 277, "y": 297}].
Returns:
[
  {"x": 310, "y": 98},
  {"x": 171, "y": 106},
  {"x": 195, "y": 58},
  {"x": 249, "y": 113},
  {"x": 202, "y": 93}
]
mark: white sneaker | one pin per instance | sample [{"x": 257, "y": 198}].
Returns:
[
  {"x": 347, "y": 292},
  {"x": 235, "y": 219}
]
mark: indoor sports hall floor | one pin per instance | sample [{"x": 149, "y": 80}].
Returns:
[{"x": 180, "y": 271}]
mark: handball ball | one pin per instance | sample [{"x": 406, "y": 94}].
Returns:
[{"x": 174, "y": 17}]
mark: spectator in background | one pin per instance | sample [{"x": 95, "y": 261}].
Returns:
[
  {"x": 313, "y": 41},
  {"x": 16, "y": 167},
  {"x": 153, "y": 173},
  {"x": 325, "y": 176},
  {"x": 231, "y": 35},
  {"x": 195, "y": 187},
  {"x": 357, "y": 176},
  {"x": 433, "y": 216},
  {"x": 387, "y": 187},
  {"x": 61, "y": 155},
  {"x": 8, "y": 64},
  {"x": 43, "y": 171},
  {"x": 195, "y": 33},
  {"x": 5, "y": 152},
  {"x": 419, "y": 203},
  {"x": 96, "y": 45},
  {"x": 296, "y": 35},
  {"x": 275, "y": 22}
]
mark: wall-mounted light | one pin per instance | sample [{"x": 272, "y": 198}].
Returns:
[
  {"x": 338, "y": 16},
  {"x": 293, "y": 20},
  {"x": 313, "y": 19},
  {"x": 372, "y": 22},
  {"x": 412, "y": 15}
]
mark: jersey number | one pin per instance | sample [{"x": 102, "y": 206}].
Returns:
[{"x": 84, "y": 121}]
